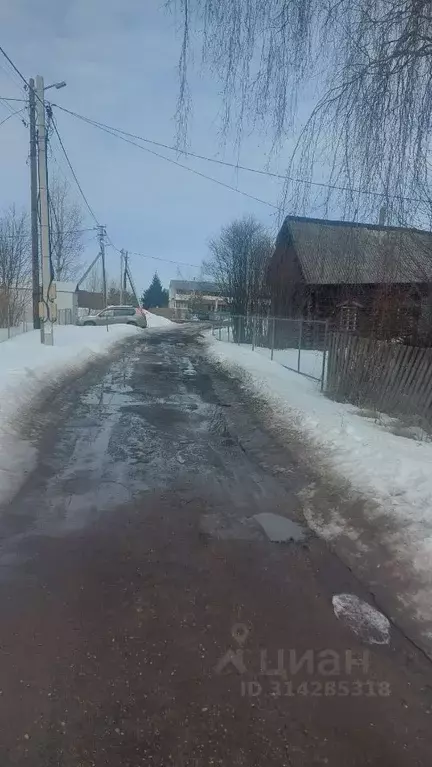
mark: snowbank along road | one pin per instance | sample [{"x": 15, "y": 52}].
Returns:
[{"x": 162, "y": 601}]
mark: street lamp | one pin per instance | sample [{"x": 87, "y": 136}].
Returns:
[{"x": 62, "y": 84}]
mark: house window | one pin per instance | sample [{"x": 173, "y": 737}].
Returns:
[{"x": 349, "y": 318}]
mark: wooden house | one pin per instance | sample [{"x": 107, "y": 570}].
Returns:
[{"x": 362, "y": 277}]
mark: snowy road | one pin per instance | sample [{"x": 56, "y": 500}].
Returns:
[{"x": 144, "y": 610}]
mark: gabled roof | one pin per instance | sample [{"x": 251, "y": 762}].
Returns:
[
  {"x": 335, "y": 252},
  {"x": 195, "y": 286}
]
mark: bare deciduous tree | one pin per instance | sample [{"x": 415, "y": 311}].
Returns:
[
  {"x": 94, "y": 281},
  {"x": 238, "y": 264},
  {"x": 113, "y": 297},
  {"x": 15, "y": 266},
  {"x": 372, "y": 62},
  {"x": 66, "y": 220}
]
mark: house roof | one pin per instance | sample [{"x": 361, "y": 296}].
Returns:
[
  {"x": 335, "y": 252},
  {"x": 195, "y": 286}
]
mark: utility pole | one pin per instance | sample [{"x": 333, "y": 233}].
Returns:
[
  {"x": 102, "y": 235},
  {"x": 126, "y": 270},
  {"x": 50, "y": 307},
  {"x": 131, "y": 282},
  {"x": 34, "y": 206},
  {"x": 121, "y": 276}
]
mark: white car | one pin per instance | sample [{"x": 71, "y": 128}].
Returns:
[{"x": 114, "y": 315}]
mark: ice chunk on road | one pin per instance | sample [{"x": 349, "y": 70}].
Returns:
[{"x": 363, "y": 619}]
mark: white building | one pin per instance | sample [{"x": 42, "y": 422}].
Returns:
[
  {"x": 187, "y": 297},
  {"x": 67, "y": 302}
]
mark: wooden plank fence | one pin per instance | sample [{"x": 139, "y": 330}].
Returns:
[{"x": 390, "y": 377}]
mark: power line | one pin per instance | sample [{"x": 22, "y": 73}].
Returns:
[
  {"x": 90, "y": 209},
  {"x": 111, "y": 132},
  {"x": 21, "y": 76},
  {"x": 89, "y": 239},
  {"x": 10, "y": 75},
  {"x": 15, "y": 68},
  {"x": 13, "y": 115},
  {"x": 166, "y": 260},
  {"x": 7, "y": 98},
  {"x": 12, "y": 111},
  {"x": 66, "y": 231},
  {"x": 235, "y": 166},
  {"x": 154, "y": 258}
]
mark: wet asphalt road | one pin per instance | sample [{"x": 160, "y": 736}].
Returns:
[{"x": 129, "y": 568}]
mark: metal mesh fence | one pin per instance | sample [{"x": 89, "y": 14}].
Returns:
[
  {"x": 12, "y": 326},
  {"x": 299, "y": 345}
]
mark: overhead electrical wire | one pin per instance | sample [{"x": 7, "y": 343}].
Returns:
[
  {"x": 66, "y": 231},
  {"x": 181, "y": 263},
  {"x": 110, "y": 242},
  {"x": 14, "y": 67},
  {"x": 142, "y": 255},
  {"x": 166, "y": 260},
  {"x": 192, "y": 170},
  {"x": 112, "y": 132},
  {"x": 10, "y": 75},
  {"x": 89, "y": 208},
  {"x": 18, "y": 111},
  {"x": 159, "y": 258},
  {"x": 236, "y": 166}
]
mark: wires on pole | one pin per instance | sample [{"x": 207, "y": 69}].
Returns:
[
  {"x": 14, "y": 67},
  {"x": 234, "y": 166},
  {"x": 116, "y": 134},
  {"x": 12, "y": 114},
  {"x": 88, "y": 206}
]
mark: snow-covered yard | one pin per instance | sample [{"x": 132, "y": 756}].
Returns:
[
  {"x": 154, "y": 321},
  {"x": 394, "y": 472},
  {"x": 309, "y": 362}
]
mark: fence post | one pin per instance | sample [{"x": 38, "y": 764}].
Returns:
[
  {"x": 220, "y": 333},
  {"x": 213, "y": 328},
  {"x": 228, "y": 329},
  {"x": 253, "y": 332},
  {"x": 273, "y": 337},
  {"x": 300, "y": 339},
  {"x": 323, "y": 372}
]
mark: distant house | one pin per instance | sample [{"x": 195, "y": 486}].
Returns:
[
  {"x": 187, "y": 297},
  {"x": 361, "y": 277}
]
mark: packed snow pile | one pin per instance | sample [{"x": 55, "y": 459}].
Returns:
[
  {"x": 393, "y": 471},
  {"x": 26, "y": 366},
  {"x": 155, "y": 321}
]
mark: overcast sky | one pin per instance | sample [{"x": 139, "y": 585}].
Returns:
[{"x": 119, "y": 58}]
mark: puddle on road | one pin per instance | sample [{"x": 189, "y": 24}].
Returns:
[
  {"x": 224, "y": 528},
  {"x": 280, "y": 529},
  {"x": 274, "y": 527}
]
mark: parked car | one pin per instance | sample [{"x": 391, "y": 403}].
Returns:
[{"x": 114, "y": 315}]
